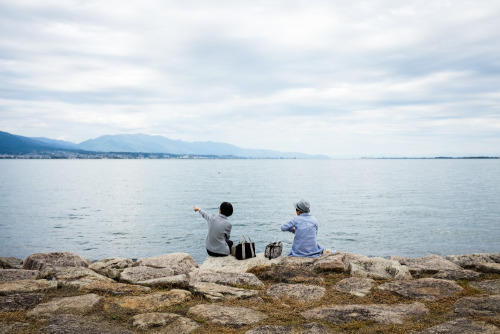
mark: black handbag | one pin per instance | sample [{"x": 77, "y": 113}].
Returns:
[
  {"x": 273, "y": 250},
  {"x": 244, "y": 249}
]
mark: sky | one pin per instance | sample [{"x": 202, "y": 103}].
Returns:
[{"x": 342, "y": 78}]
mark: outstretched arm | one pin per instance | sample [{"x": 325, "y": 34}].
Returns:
[{"x": 288, "y": 226}]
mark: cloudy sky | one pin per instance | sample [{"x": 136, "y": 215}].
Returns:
[{"x": 342, "y": 78}]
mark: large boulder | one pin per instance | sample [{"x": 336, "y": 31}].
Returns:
[
  {"x": 78, "y": 305},
  {"x": 266, "y": 329},
  {"x": 165, "y": 322},
  {"x": 219, "y": 315},
  {"x": 429, "y": 264},
  {"x": 462, "y": 326},
  {"x": 233, "y": 279},
  {"x": 490, "y": 268},
  {"x": 69, "y": 323},
  {"x": 291, "y": 274},
  {"x": 78, "y": 277},
  {"x": 379, "y": 268},
  {"x": 429, "y": 289},
  {"x": 134, "y": 275},
  {"x": 217, "y": 292},
  {"x": 356, "y": 286},
  {"x": 469, "y": 261},
  {"x": 333, "y": 262},
  {"x": 24, "y": 286},
  {"x": 229, "y": 264},
  {"x": 147, "y": 303},
  {"x": 112, "y": 267},
  {"x": 458, "y": 275},
  {"x": 179, "y": 263},
  {"x": 298, "y": 293},
  {"x": 380, "y": 313},
  {"x": 7, "y": 275},
  {"x": 485, "y": 306},
  {"x": 178, "y": 281},
  {"x": 23, "y": 301},
  {"x": 50, "y": 261},
  {"x": 491, "y": 286},
  {"x": 10, "y": 263},
  {"x": 114, "y": 288}
]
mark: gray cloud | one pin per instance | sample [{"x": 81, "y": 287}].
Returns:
[{"x": 333, "y": 77}]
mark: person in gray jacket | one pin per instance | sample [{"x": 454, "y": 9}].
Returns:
[{"x": 219, "y": 230}]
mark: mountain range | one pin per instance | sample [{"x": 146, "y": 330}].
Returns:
[{"x": 135, "y": 143}]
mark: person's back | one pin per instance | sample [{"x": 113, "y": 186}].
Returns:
[
  {"x": 305, "y": 228},
  {"x": 219, "y": 230}
]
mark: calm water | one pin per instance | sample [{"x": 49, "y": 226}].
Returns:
[{"x": 139, "y": 208}]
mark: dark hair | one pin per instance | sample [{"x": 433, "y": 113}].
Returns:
[{"x": 226, "y": 209}]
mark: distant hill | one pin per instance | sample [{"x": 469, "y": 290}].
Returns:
[{"x": 139, "y": 143}]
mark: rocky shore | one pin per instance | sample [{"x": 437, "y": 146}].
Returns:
[{"x": 335, "y": 293}]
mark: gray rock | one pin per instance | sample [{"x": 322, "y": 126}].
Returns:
[
  {"x": 15, "y": 328},
  {"x": 229, "y": 264},
  {"x": 68, "y": 323},
  {"x": 492, "y": 286},
  {"x": 296, "y": 261},
  {"x": 39, "y": 285},
  {"x": 383, "y": 314},
  {"x": 147, "y": 303},
  {"x": 429, "y": 264},
  {"x": 217, "y": 292},
  {"x": 487, "y": 306},
  {"x": 469, "y": 261},
  {"x": 298, "y": 293},
  {"x": 114, "y": 288},
  {"x": 491, "y": 268},
  {"x": 379, "y": 268},
  {"x": 429, "y": 289},
  {"x": 457, "y": 275},
  {"x": 11, "y": 303},
  {"x": 270, "y": 330},
  {"x": 7, "y": 275},
  {"x": 111, "y": 268},
  {"x": 179, "y": 263},
  {"x": 315, "y": 328},
  {"x": 10, "y": 263},
  {"x": 77, "y": 277},
  {"x": 233, "y": 279},
  {"x": 461, "y": 326},
  {"x": 164, "y": 322},
  {"x": 48, "y": 261},
  {"x": 291, "y": 274},
  {"x": 135, "y": 275},
  {"x": 181, "y": 326},
  {"x": 178, "y": 281},
  {"x": 78, "y": 304},
  {"x": 333, "y": 262},
  {"x": 235, "y": 317},
  {"x": 357, "y": 286}
]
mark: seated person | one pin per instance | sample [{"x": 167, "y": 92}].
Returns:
[{"x": 219, "y": 230}]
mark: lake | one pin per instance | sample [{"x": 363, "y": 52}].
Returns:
[{"x": 142, "y": 208}]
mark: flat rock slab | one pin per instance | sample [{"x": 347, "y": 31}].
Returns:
[
  {"x": 429, "y": 264},
  {"x": 179, "y": 263},
  {"x": 333, "y": 262},
  {"x": 229, "y": 264},
  {"x": 458, "y": 275},
  {"x": 485, "y": 267},
  {"x": 47, "y": 261},
  {"x": 148, "y": 303},
  {"x": 315, "y": 328},
  {"x": 217, "y": 292},
  {"x": 114, "y": 288},
  {"x": 135, "y": 275},
  {"x": 226, "y": 316},
  {"x": 429, "y": 289},
  {"x": 291, "y": 274},
  {"x": 232, "y": 279},
  {"x": 462, "y": 326},
  {"x": 39, "y": 285},
  {"x": 270, "y": 330},
  {"x": 178, "y": 281},
  {"x": 356, "y": 286},
  {"x": 11, "y": 303},
  {"x": 78, "y": 277},
  {"x": 487, "y": 306},
  {"x": 68, "y": 323},
  {"x": 298, "y": 293},
  {"x": 78, "y": 304},
  {"x": 164, "y": 323},
  {"x": 7, "y": 275},
  {"x": 492, "y": 286},
  {"x": 10, "y": 263},
  {"x": 379, "y": 268},
  {"x": 383, "y": 314},
  {"x": 471, "y": 260},
  {"x": 112, "y": 267}
]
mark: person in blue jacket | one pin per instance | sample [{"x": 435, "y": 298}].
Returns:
[{"x": 305, "y": 228}]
